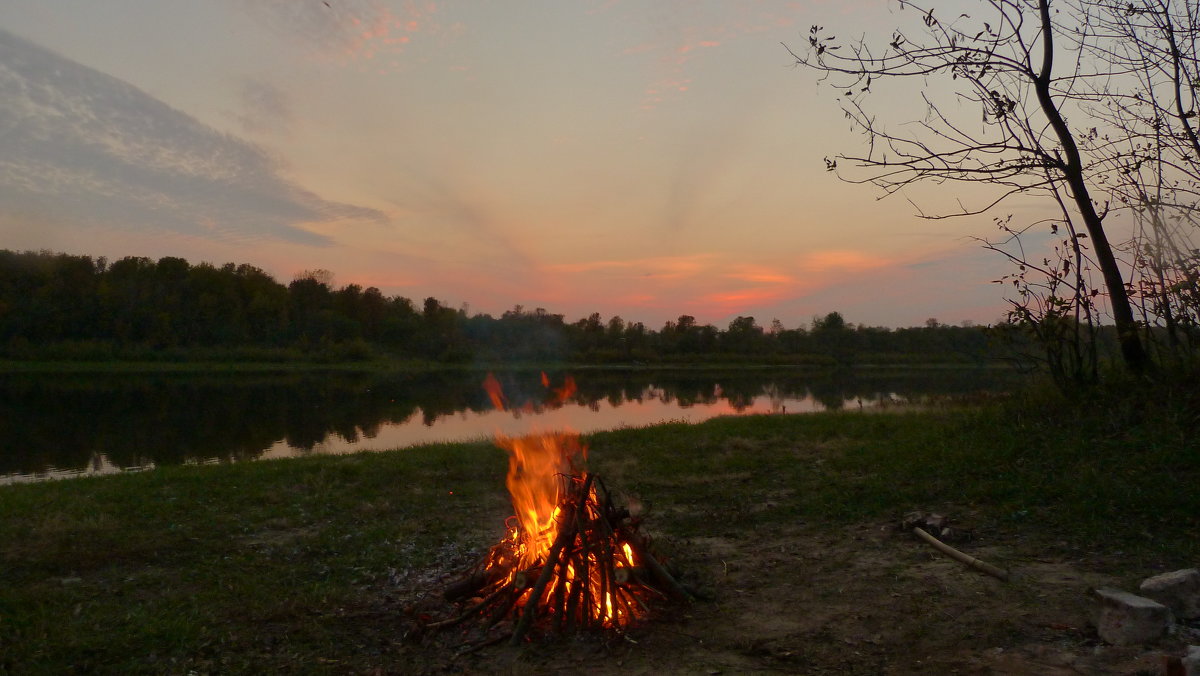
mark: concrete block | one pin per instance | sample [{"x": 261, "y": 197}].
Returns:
[
  {"x": 1191, "y": 662},
  {"x": 1122, "y": 618}
]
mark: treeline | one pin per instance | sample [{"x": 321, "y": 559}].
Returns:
[{"x": 62, "y": 306}]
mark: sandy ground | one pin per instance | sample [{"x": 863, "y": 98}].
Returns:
[{"x": 869, "y": 599}]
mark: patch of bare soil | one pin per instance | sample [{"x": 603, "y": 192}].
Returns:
[{"x": 867, "y": 600}]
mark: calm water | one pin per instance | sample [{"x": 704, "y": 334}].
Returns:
[{"x": 67, "y": 425}]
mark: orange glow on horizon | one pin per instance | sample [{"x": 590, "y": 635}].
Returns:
[{"x": 714, "y": 287}]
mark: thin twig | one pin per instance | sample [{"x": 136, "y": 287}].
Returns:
[{"x": 470, "y": 611}]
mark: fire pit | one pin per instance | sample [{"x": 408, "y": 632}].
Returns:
[{"x": 571, "y": 560}]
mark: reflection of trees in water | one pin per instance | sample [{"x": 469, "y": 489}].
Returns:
[
  {"x": 67, "y": 422},
  {"x": 775, "y": 398},
  {"x": 742, "y": 392},
  {"x": 828, "y": 393}
]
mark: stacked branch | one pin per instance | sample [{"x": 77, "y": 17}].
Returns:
[{"x": 598, "y": 573}]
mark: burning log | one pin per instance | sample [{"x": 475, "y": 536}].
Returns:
[
  {"x": 597, "y": 573},
  {"x": 664, "y": 578},
  {"x": 470, "y": 585},
  {"x": 570, "y": 560},
  {"x": 564, "y": 536},
  {"x": 626, "y": 574}
]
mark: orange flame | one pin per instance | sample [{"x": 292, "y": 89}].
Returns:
[
  {"x": 539, "y": 466},
  {"x": 492, "y": 387},
  {"x": 541, "y": 469}
]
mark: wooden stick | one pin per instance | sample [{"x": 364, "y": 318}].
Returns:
[
  {"x": 501, "y": 610},
  {"x": 592, "y": 583},
  {"x": 479, "y": 646},
  {"x": 470, "y": 585},
  {"x": 610, "y": 584},
  {"x": 565, "y": 534},
  {"x": 531, "y": 606},
  {"x": 675, "y": 589},
  {"x": 585, "y": 601},
  {"x": 608, "y": 581},
  {"x": 621, "y": 594},
  {"x": 470, "y": 611},
  {"x": 584, "y": 571},
  {"x": 627, "y": 574},
  {"x": 560, "y": 588},
  {"x": 654, "y": 590},
  {"x": 640, "y": 602},
  {"x": 576, "y": 591},
  {"x": 597, "y": 546},
  {"x": 605, "y": 590},
  {"x": 953, "y": 553},
  {"x": 523, "y": 579}
]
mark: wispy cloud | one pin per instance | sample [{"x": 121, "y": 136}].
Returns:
[
  {"x": 714, "y": 286},
  {"x": 760, "y": 274},
  {"x": 347, "y": 30},
  {"x": 86, "y": 148},
  {"x": 465, "y": 217},
  {"x": 265, "y": 108},
  {"x": 659, "y": 267},
  {"x": 682, "y": 31},
  {"x": 842, "y": 260}
]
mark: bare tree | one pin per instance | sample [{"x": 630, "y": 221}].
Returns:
[
  {"x": 1002, "y": 59},
  {"x": 1150, "y": 160}
]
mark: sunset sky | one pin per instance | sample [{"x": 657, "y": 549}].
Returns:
[{"x": 643, "y": 159}]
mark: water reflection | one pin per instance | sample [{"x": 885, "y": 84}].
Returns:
[{"x": 55, "y": 425}]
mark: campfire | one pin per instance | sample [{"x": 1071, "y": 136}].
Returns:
[{"x": 571, "y": 559}]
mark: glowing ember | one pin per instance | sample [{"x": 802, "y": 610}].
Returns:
[{"x": 570, "y": 558}]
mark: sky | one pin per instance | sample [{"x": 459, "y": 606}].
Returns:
[{"x": 642, "y": 159}]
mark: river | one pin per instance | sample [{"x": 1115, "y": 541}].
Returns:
[{"x": 63, "y": 425}]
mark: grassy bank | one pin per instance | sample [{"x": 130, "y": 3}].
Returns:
[
  {"x": 201, "y": 366},
  {"x": 377, "y": 366},
  {"x": 281, "y": 565}
]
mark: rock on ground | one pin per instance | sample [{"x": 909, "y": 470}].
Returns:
[
  {"x": 1122, "y": 618},
  {"x": 1178, "y": 590},
  {"x": 1191, "y": 662}
]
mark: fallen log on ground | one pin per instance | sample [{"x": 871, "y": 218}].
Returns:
[{"x": 953, "y": 553}]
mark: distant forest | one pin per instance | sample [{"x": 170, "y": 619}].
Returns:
[{"x": 68, "y": 307}]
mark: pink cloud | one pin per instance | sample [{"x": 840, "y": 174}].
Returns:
[
  {"x": 736, "y": 301},
  {"x": 663, "y": 267},
  {"x": 761, "y": 274},
  {"x": 348, "y": 31},
  {"x": 715, "y": 286},
  {"x": 842, "y": 260},
  {"x": 698, "y": 283}
]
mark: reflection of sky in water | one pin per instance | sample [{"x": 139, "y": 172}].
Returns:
[
  {"x": 655, "y": 405},
  {"x": 583, "y": 418}
]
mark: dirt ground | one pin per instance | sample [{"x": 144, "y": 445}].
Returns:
[{"x": 870, "y": 599}]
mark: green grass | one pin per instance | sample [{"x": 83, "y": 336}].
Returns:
[
  {"x": 118, "y": 574},
  {"x": 219, "y": 366},
  {"x": 387, "y": 365},
  {"x": 272, "y": 566},
  {"x": 1053, "y": 475}
]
